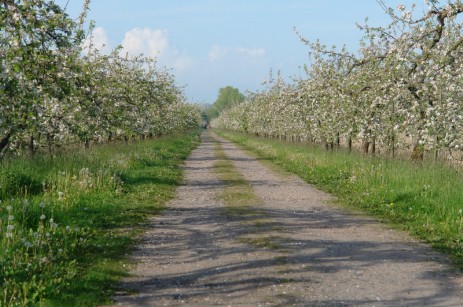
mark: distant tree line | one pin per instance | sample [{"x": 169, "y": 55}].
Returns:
[{"x": 227, "y": 97}]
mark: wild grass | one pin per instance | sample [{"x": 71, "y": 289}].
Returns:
[
  {"x": 425, "y": 199},
  {"x": 68, "y": 222}
]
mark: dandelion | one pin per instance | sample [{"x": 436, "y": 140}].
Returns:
[
  {"x": 47, "y": 234},
  {"x": 42, "y": 217},
  {"x": 10, "y": 227},
  {"x": 11, "y": 218},
  {"x": 60, "y": 195},
  {"x": 9, "y": 208},
  {"x": 42, "y": 205},
  {"x": 27, "y": 244},
  {"x": 68, "y": 229},
  {"x": 51, "y": 221},
  {"x": 54, "y": 225}
]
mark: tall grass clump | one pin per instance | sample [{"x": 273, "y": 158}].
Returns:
[
  {"x": 423, "y": 198},
  {"x": 67, "y": 222}
]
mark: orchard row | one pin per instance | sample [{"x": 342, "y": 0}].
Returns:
[
  {"x": 54, "y": 93},
  {"x": 402, "y": 91}
]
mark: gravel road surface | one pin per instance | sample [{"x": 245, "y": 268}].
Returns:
[{"x": 297, "y": 251}]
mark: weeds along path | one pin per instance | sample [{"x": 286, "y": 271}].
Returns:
[{"x": 240, "y": 234}]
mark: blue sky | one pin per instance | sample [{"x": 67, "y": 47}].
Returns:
[{"x": 210, "y": 44}]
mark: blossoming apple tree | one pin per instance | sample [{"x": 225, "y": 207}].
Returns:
[
  {"x": 403, "y": 89},
  {"x": 52, "y": 93}
]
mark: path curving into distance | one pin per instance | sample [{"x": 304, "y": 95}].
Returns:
[{"x": 288, "y": 248}]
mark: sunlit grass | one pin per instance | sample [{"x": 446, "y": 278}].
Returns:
[
  {"x": 425, "y": 199},
  {"x": 67, "y": 223}
]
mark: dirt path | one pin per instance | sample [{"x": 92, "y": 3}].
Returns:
[{"x": 301, "y": 253}]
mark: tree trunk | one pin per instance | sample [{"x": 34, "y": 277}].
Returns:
[
  {"x": 5, "y": 141},
  {"x": 49, "y": 143},
  {"x": 393, "y": 145},
  {"x": 417, "y": 151},
  {"x": 365, "y": 146},
  {"x": 31, "y": 146},
  {"x": 436, "y": 153}
]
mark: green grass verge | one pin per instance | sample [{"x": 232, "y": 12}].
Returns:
[
  {"x": 425, "y": 199},
  {"x": 68, "y": 223}
]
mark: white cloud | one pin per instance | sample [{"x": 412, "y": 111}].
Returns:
[
  {"x": 98, "y": 40},
  {"x": 155, "y": 43},
  {"x": 181, "y": 62},
  {"x": 150, "y": 42},
  {"x": 217, "y": 52},
  {"x": 252, "y": 52}
]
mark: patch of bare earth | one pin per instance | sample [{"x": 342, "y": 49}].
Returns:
[{"x": 292, "y": 249}]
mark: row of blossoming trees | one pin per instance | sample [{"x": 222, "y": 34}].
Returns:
[
  {"x": 54, "y": 93},
  {"x": 403, "y": 91}
]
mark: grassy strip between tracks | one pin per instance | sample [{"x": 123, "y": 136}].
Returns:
[
  {"x": 238, "y": 197},
  {"x": 425, "y": 199},
  {"x": 67, "y": 223},
  {"x": 241, "y": 203}
]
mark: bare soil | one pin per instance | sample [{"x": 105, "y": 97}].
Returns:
[{"x": 299, "y": 250}]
